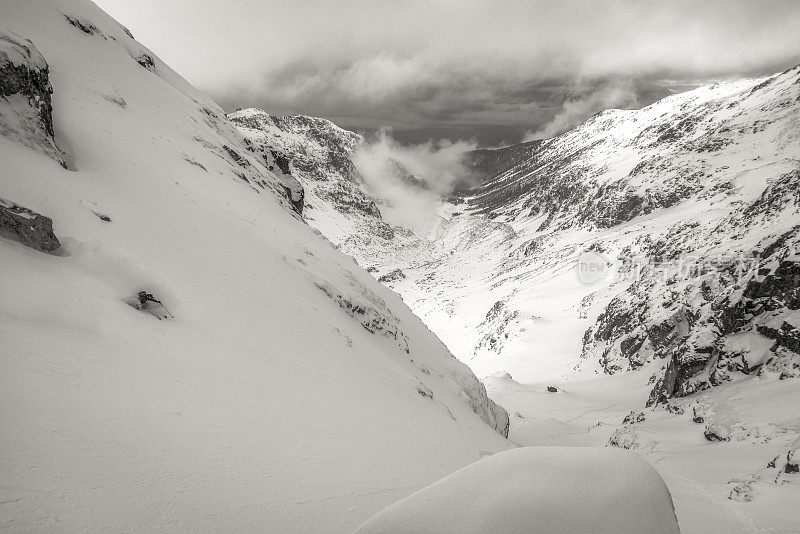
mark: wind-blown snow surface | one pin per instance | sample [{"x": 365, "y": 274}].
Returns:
[
  {"x": 538, "y": 489},
  {"x": 291, "y": 392}
]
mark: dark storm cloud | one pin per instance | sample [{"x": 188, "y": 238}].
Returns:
[{"x": 495, "y": 69}]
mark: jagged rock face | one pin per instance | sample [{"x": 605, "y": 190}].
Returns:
[
  {"x": 26, "y": 110},
  {"x": 249, "y": 172},
  {"x": 314, "y": 149},
  {"x": 697, "y": 332},
  {"x": 317, "y": 153},
  {"x": 27, "y": 227}
]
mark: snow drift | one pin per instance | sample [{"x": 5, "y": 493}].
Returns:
[{"x": 538, "y": 489}]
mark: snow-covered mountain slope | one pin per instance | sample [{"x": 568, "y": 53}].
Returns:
[
  {"x": 290, "y": 392},
  {"x": 689, "y": 211},
  {"x": 700, "y": 182}
]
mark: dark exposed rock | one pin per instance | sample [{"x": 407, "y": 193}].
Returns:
[
  {"x": 696, "y": 417},
  {"x": 424, "y": 391},
  {"x": 240, "y": 161},
  {"x": 633, "y": 418},
  {"x": 25, "y": 73},
  {"x": 290, "y": 186},
  {"x": 495, "y": 328},
  {"x": 552, "y": 389},
  {"x": 32, "y": 83},
  {"x": 83, "y": 25},
  {"x": 391, "y": 276},
  {"x": 716, "y": 433},
  {"x": 27, "y": 227},
  {"x": 146, "y": 60},
  {"x": 789, "y": 337},
  {"x": 296, "y": 197},
  {"x": 782, "y": 285},
  {"x": 624, "y": 438},
  {"x": 281, "y": 161},
  {"x": 674, "y": 409}
]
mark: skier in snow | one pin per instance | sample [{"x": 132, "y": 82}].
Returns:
[{"x": 145, "y": 297}]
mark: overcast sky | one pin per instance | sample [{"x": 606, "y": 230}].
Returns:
[{"x": 460, "y": 68}]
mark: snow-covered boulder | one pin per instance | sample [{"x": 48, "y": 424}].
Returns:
[
  {"x": 27, "y": 227},
  {"x": 538, "y": 489}
]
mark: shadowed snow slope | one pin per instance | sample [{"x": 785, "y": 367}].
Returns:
[
  {"x": 291, "y": 392},
  {"x": 538, "y": 489}
]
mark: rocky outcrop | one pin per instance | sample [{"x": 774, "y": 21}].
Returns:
[
  {"x": 369, "y": 309},
  {"x": 496, "y": 327},
  {"x": 27, "y": 227},
  {"x": 373, "y": 314},
  {"x": 314, "y": 151},
  {"x": 26, "y": 109},
  {"x": 251, "y": 167}
]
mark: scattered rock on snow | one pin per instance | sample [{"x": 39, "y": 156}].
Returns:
[
  {"x": 624, "y": 438},
  {"x": 633, "y": 418},
  {"x": 391, "y": 276},
  {"x": 86, "y": 26},
  {"x": 742, "y": 491},
  {"x": 146, "y": 60},
  {"x": 424, "y": 390},
  {"x": 674, "y": 409}
]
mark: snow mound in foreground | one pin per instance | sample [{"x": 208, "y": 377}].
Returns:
[{"x": 541, "y": 489}]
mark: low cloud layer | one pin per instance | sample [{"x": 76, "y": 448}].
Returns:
[
  {"x": 614, "y": 95},
  {"x": 464, "y": 66},
  {"x": 411, "y": 179}
]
